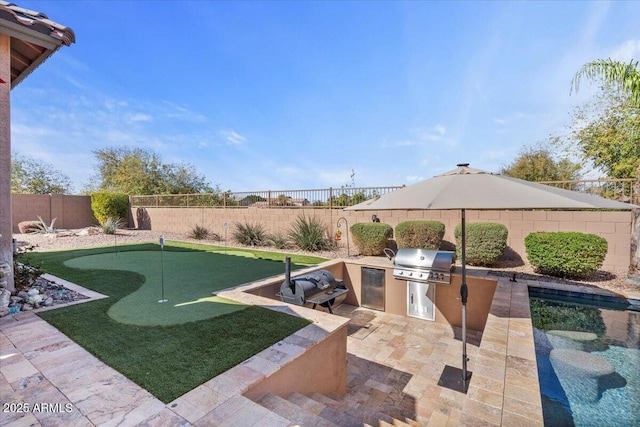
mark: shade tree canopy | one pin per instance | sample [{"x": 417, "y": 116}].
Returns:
[
  {"x": 538, "y": 163},
  {"x": 31, "y": 176},
  {"x": 142, "y": 172}
]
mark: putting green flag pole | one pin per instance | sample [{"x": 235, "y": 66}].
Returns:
[
  {"x": 162, "y": 268},
  {"x": 225, "y": 238}
]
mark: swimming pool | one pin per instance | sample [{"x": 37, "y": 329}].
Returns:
[{"x": 588, "y": 356}]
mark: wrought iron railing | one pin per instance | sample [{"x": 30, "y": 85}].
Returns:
[
  {"x": 328, "y": 198},
  {"x": 624, "y": 190}
]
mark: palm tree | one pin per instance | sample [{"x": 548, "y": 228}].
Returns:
[
  {"x": 628, "y": 77},
  {"x": 612, "y": 73}
]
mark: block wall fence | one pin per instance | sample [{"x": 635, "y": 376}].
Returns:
[
  {"x": 69, "y": 211},
  {"x": 75, "y": 212},
  {"x": 613, "y": 226}
]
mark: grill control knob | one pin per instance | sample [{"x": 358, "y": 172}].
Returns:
[{"x": 410, "y": 274}]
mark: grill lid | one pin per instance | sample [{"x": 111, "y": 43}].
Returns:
[
  {"x": 423, "y": 259},
  {"x": 423, "y": 265}
]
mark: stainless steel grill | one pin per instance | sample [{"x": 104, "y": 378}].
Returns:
[
  {"x": 318, "y": 287},
  {"x": 423, "y": 265}
]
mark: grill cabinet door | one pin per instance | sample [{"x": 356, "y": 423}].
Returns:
[
  {"x": 373, "y": 288},
  {"x": 421, "y": 300}
]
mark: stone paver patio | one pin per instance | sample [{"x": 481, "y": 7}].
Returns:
[{"x": 394, "y": 363}]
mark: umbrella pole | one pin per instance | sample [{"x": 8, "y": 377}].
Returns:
[{"x": 463, "y": 297}]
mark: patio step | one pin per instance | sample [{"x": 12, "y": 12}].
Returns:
[
  {"x": 331, "y": 410},
  {"x": 398, "y": 423},
  {"x": 356, "y": 414},
  {"x": 293, "y": 412},
  {"x": 307, "y": 403}
]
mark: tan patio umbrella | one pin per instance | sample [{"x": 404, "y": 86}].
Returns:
[{"x": 467, "y": 188}]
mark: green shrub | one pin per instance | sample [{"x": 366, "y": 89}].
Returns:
[
  {"x": 110, "y": 225},
  {"x": 310, "y": 234},
  {"x": 419, "y": 234},
  {"x": 371, "y": 237},
  {"x": 250, "y": 234},
  {"x": 486, "y": 242},
  {"x": 29, "y": 227},
  {"x": 279, "y": 240},
  {"x": 565, "y": 254},
  {"x": 105, "y": 205},
  {"x": 199, "y": 232}
]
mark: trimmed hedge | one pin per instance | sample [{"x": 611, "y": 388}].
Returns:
[
  {"x": 29, "y": 227},
  {"x": 565, "y": 254},
  {"x": 486, "y": 242},
  {"x": 371, "y": 237},
  {"x": 419, "y": 234},
  {"x": 110, "y": 205}
]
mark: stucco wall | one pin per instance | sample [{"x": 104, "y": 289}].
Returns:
[
  {"x": 69, "y": 211},
  {"x": 6, "y": 247},
  {"x": 613, "y": 226},
  {"x": 323, "y": 367}
]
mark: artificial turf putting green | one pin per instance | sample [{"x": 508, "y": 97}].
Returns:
[
  {"x": 188, "y": 279},
  {"x": 170, "y": 360}
]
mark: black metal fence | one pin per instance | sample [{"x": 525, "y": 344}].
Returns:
[
  {"x": 624, "y": 190},
  {"x": 328, "y": 198}
]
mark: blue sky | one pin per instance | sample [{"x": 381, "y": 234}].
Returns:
[{"x": 292, "y": 95}]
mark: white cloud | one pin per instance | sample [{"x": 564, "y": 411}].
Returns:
[
  {"x": 232, "y": 137},
  {"x": 499, "y": 121},
  {"x": 288, "y": 171},
  {"x": 627, "y": 51},
  {"x": 75, "y": 82},
  {"x": 113, "y": 104},
  {"x": 408, "y": 143},
  {"x": 595, "y": 21},
  {"x": 140, "y": 117},
  {"x": 434, "y": 133},
  {"x": 423, "y": 136},
  {"x": 174, "y": 111},
  {"x": 414, "y": 178}
]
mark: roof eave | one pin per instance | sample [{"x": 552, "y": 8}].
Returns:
[
  {"x": 35, "y": 64},
  {"x": 35, "y": 29}
]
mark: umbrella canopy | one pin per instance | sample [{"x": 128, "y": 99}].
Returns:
[
  {"x": 474, "y": 189},
  {"x": 466, "y": 188}
]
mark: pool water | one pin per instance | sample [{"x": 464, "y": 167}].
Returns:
[{"x": 588, "y": 356}]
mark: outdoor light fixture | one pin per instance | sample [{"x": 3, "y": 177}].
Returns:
[{"x": 374, "y": 218}]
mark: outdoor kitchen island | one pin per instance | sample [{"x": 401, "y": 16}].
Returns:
[
  {"x": 446, "y": 297},
  {"x": 390, "y": 294}
]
